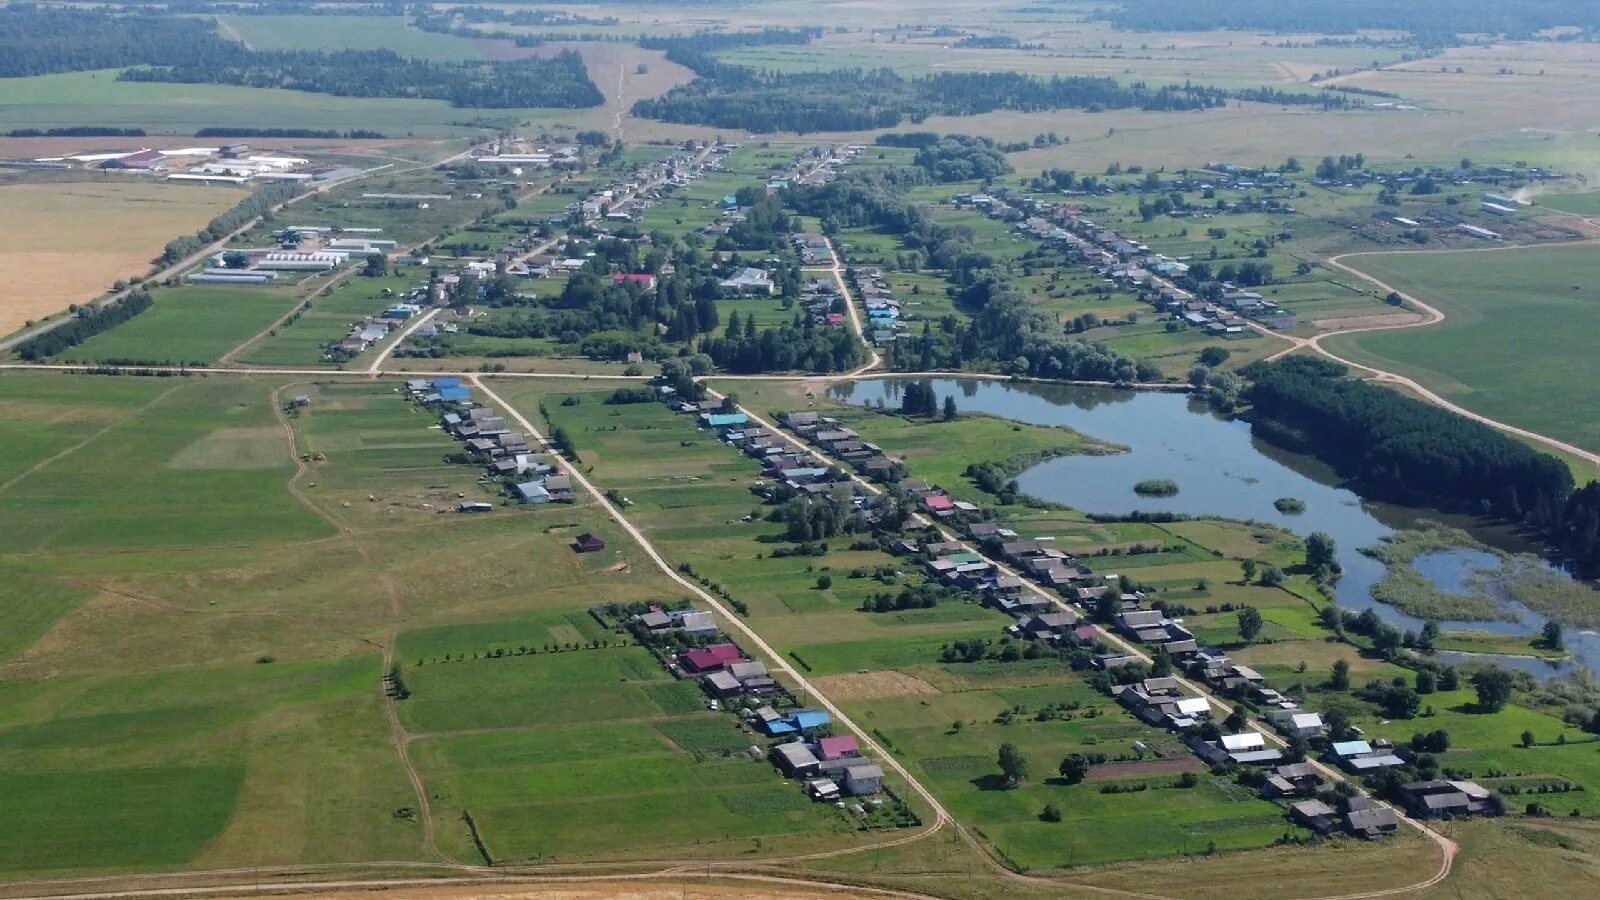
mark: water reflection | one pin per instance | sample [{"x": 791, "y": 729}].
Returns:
[{"x": 1220, "y": 469}]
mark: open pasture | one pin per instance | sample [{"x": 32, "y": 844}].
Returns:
[{"x": 66, "y": 242}]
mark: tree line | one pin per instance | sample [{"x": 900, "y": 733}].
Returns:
[
  {"x": 250, "y": 207},
  {"x": 76, "y": 131},
  {"x": 190, "y": 50},
  {"x": 733, "y": 96},
  {"x": 231, "y": 131},
  {"x": 556, "y": 81},
  {"x": 1429, "y": 24},
  {"x": 1413, "y": 452},
  {"x": 85, "y": 323}
]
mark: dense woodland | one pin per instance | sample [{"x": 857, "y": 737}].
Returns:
[
  {"x": 556, "y": 81},
  {"x": 863, "y": 99},
  {"x": 732, "y": 96},
  {"x": 1430, "y": 22},
  {"x": 1406, "y": 450},
  {"x": 38, "y": 41}
]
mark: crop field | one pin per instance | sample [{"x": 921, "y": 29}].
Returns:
[
  {"x": 97, "y": 98},
  {"x": 334, "y": 33},
  {"x": 590, "y": 745},
  {"x": 83, "y": 235},
  {"x": 195, "y": 438},
  {"x": 1513, "y": 343},
  {"x": 189, "y": 324}
]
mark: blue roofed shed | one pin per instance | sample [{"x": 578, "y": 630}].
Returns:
[{"x": 724, "y": 420}]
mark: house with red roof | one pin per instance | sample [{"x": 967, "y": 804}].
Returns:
[
  {"x": 837, "y": 748},
  {"x": 714, "y": 658},
  {"x": 939, "y": 504},
  {"x": 643, "y": 279}
]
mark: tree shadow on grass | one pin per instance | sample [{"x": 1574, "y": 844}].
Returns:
[{"x": 995, "y": 782}]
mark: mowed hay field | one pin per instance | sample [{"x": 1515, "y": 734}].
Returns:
[
  {"x": 66, "y": 243},
  {"x": 1516, "y": 342}
]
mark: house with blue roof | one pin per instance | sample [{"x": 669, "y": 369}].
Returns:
[
  {"x": 801, "y": 721},
  {"x": 724, "y": 420},
  {"x": 454, "y": 395}
]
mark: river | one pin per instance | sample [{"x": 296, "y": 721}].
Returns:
[{"x": 1221, "y": 470}]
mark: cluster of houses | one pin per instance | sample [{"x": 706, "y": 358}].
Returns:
[
  {"x": 524, "y": 473},
  {"x": 1221, "y": 309},
  {"x": 829, "y": 767},
  {"x": 813, "y": 249},
  {"x": 1363, "y": 818},
  {"x": 882, "y": 309}
]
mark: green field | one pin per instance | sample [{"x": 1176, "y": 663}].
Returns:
[
  {"x": 187, "y": 325},
  {"x": 1514, "y": 344},
  {"x": 97, "y": 98},
  {"x": 593, "y": 743},
  {"x": 333, "y": 33}
]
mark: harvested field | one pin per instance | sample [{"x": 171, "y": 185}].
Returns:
[
  {"x": 874, "y": 686},
  {"x": 1146, "y": 769},
  {"x": 66, "y": 243}
]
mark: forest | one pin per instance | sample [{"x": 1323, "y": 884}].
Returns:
[
  {"x": 1431, "y": 23},
  {"x": 1406, "y": 450},
  {"x": 39, "y": 41},
  {"x": 556, "y": 81},
  {"x": 863, "y": 99}
]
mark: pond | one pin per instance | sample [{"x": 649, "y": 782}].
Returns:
[{"x": 1221, "y": 470}]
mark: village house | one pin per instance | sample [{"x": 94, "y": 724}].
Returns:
[
  {"x": 711, "y": 658},
  {"x": 1160, "y": 702},
  {"x": 1292, "y": 780},
  {"x": 1297, "y": 723},
  {"x": 1359, "y": 757},
  {"x": 1248, "y": 748},
  {"x": 1439, "y": 798}
]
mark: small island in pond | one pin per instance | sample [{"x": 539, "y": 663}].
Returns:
[
  {"x": 1289, "y": 505},
  {"x": 1156, "y": 487}
]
